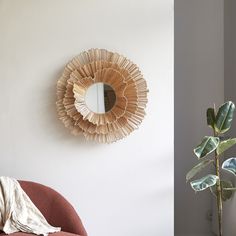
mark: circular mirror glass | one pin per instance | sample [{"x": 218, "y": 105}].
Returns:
[{"x": 100, "y": 97}]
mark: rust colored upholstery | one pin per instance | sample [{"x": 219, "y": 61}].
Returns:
[{"x": 55, "y": 208}]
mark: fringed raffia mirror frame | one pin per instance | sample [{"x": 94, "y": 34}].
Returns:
[{"x": 94, "y": 66}]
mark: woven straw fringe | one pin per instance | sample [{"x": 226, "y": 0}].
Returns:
[{"x": 96, "y": 66}]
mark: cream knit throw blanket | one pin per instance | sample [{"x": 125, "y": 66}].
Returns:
[{"x": 17, "y": 211}]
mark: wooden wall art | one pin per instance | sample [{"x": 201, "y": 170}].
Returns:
[{"x": 119, "y": 96}]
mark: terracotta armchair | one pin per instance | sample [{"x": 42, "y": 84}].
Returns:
[{"x": 55, "y": 208}]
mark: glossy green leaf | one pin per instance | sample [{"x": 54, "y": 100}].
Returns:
[
  {"x": 211, "y": 117},
  {"x": 226, "y": 194},
  {"x": 230, "y": 165},
  {"x": 224, "y": 117},
  {"x": 208, "y": 145},
  {"x": 226, "y": 144},
  {"x": 204, "y": 183},
  {"x": 196, "y": 169}
]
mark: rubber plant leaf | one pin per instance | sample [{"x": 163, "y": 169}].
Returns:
[
  {"x": 208, "y": 145},
  {"x": 196, "y": 169},
  {"x": 211, "y": 117},
  {"x": 204, "y": 183},
  {"x": 230, "y": 165},
  {"x": 226, "y": 194},
  {"x": 226, "y": 144},
  {"x": 224, "y": 117}
]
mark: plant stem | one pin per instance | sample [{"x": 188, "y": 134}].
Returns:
[
  {"x": 218, "y": 188},
  {"x": 219, "y": 195}
]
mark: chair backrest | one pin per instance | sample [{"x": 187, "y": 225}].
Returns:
[{"x": 55, "y": 208}]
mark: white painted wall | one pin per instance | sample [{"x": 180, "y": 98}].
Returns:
[
  {"x": 199, "y": 82},
  {"x": 124, "y": 188}
]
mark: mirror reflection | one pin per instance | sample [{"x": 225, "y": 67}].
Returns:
[{"x": 100, "y": 97}]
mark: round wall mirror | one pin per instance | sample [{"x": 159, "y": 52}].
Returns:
[
  {"x": 100, "y": 98},
  {"x": 101, "y": 95}
]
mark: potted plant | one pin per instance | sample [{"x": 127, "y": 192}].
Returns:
[{"x": 220, "y": 121}]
